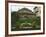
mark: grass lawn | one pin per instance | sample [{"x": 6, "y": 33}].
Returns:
[{"x": 35, "y": 24}]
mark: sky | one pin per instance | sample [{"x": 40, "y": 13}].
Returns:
[{"x": 17, "y": 7}]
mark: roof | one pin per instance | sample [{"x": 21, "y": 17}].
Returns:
[{"x": 24, "y": 9}]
